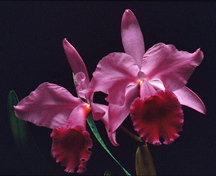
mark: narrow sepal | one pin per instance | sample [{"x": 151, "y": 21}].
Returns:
[{"x": 132, "y": 38}]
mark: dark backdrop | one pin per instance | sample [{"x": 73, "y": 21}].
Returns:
[{"x": 31, "y": 53}]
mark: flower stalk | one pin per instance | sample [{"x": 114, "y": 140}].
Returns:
[{"x": 133, "y": 136}]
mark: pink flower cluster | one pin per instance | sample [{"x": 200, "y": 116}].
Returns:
[{"x": 148, "y": 85}]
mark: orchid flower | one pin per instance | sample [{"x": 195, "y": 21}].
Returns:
[
  {"x": 162, "y": 68},
  {"x": 54, "y": 107}
]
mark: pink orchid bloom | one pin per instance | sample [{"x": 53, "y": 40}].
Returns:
[
  {"x": 156, "y": 114},
  {"x": 125, "y": 76},
  {"x": 56, "y": 108}
]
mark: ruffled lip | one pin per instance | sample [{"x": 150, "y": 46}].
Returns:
[
  {"x": 71, "y": 147},
  {"x": 159, "y": 115}
]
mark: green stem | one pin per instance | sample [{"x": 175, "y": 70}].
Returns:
[{"x": 133, "y": 136}]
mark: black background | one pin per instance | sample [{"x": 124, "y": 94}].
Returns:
[{"x": 31, "y": 53}]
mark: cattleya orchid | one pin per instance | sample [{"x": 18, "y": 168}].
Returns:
[
  {"x": 149, "y": 85},
  {"x": 54, "y": 107}
]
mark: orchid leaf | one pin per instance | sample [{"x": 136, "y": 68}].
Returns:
[
  {"x": 97, "y": 135},
  {"x": 143, "y": 161},
  {"x": 18, "y": 126},
  {"x": 73, "y": 77},
  {"x": 25, "y": 141}
]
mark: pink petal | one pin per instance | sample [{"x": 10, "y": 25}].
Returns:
[
  {"x": 78, "y": 115},
  {"x": 105, "y": 120},
  {"x": 156, "y": 116},
  {"x": 75, "y": 61},
  {"x": 188, "y": 98},
  {"x": 132, "y": 38},
  {"x": 146, "y": 90},
  {"x": 157, "y": 84},
  {"x": 71, "y": 147},
  {"x": 49, "y": 105},
  {"x": 80, "y": 84},
  {"x": 117, "y": 114},
  {"x": 97, "y": 111},
  {"x": 113, "y": 73},
  {"x": 171, "y": 66}
]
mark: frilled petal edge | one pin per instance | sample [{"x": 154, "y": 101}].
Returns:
[
  {"x": 157, "y": 116},
  {"x": 49, "y": 105},
  {"x": 71, "y": 146}
]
